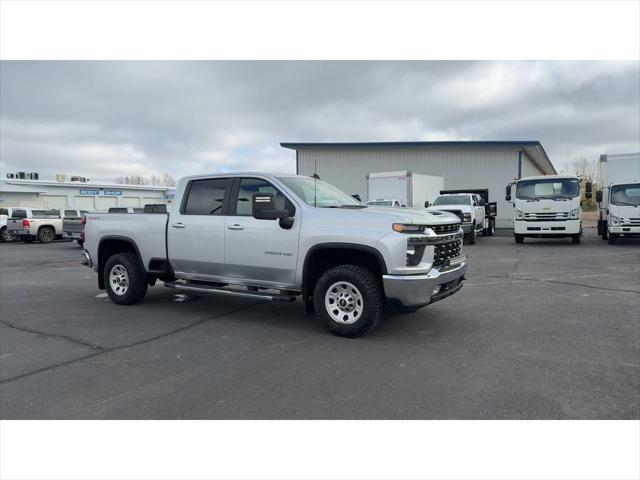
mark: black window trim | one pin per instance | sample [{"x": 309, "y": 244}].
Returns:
[
  {"x": 225, "y": 200},
  {"x": 235, "y": 191}
]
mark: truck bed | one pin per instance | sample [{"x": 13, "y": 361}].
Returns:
[{"x": 147, "y": 230}]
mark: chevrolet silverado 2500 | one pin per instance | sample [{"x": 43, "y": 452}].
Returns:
[{"x": 277, "y": 237}]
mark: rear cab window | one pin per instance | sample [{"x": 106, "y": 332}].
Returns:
[{"x": 206, "y": 197}]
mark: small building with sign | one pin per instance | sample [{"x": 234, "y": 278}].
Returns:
[{"x": 81, "y": 195}]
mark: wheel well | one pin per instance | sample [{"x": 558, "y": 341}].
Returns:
[
  {"x": 46, "y": 226},
  {"x": 109, "y": 247},
  {"x": 322, "y": 259}
]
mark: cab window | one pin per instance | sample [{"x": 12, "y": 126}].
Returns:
[
  {"x": 206, "y": 197},
  {"x": 249, "y": 187}
]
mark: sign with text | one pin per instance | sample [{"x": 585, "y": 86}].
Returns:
[
  {"x": 112, "y": 193},
  {"x": 87, "y": 191}
]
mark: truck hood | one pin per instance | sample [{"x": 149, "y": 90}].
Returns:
[
  {"x": 412, "y": 215},
  {"x": 461, "y": 208},
  {"x": 624, "y": 211}
]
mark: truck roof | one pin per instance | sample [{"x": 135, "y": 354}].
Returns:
[{"x": 547, "y": 177}]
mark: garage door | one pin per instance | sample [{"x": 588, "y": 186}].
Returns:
[
  {"x": 55, "y": 201},
  {"x": 130, "y": 202},
  {"x": 84, "y": 203},
  {"x": 103, "y": 203}
]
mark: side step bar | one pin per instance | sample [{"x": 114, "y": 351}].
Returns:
[{"x": 227, "y": 291}]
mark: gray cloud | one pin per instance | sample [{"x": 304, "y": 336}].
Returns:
[{"x": 105, "y": 119}]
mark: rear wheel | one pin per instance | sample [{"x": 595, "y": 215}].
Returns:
[
  {"x": 46, "y": 235},
  {"x": 575, "y": 238},
  {"x": 349, "y": 301},
  {"x": 519, "y": 238},
  {"x": 80, "y": 243},
  {"x": 124, "y": 279},
  {"x": 5, "y": 235}
]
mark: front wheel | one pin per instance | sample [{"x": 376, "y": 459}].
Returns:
[
  {"x": 575, "y": 238},
  {"x": 492, "y": 227},
  {"x": 348, "y": 299},
  {"x": 612, "y": 238},
  {"x": 5, "y": 235},
  {"x": 519, "y": 238},
  {"x": 124, "y": 279},
  {"x": 471, "y": 238}
]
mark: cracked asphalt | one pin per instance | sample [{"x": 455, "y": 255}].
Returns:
[{"x": 543, "y": 330}]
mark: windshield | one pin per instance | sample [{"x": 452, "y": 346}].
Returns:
[
  {"x": 452, "y": 200},
  {"x": 626, "y": 194},
  {"x": 553, "y": 188},
  {"x": 384, "y": 203},
  {"x": 317, "y": 193}
]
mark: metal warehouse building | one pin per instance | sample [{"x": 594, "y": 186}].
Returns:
[
  {"x": 488, "y": 164},
  {"x": 80, "y": 195}
]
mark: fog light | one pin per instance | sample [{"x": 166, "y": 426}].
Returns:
[{"x": 436, "y": 290}]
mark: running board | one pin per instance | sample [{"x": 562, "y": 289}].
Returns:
[{"x": 276, "y": 297}]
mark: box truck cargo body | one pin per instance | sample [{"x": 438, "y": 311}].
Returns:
[
  {"x": 619, "y": 196},
  {"x": 412, "y": 189}
]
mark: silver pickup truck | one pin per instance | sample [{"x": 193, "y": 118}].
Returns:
[{"x": 277, "y": 237}]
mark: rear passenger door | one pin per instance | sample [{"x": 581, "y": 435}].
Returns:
[
  {"x": 195, "y": 233},
  {"x": 260, "y": 252}
]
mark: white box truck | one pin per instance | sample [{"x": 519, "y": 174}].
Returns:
[
  {"x": 408, "y": 189},
  {"x": 619, "y": 196}
]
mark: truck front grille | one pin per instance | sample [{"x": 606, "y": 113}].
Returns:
[
  {"x": 546, "y": 216},
  {"x": 444, "y": 229},
  {"x": 446, "y": 251}
]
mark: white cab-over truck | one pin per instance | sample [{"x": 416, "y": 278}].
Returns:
[
  {"x": 547, "y": 207},
  {"x": 476, "y": 214},
  {"x": 619, "y": 196},
  {"x": 411, "y": 189},
  {"x": 277, "y": 237}
]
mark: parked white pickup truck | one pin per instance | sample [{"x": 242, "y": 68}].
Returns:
[
  {"x": 45, "y": 227},
  {"x": 8, "y": 212},
  {"x": 278, "y": 237},
  {"x": 470, "y": 207}
]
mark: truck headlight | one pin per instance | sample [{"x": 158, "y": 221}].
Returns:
[
  {"x": 407, "y": 228},
  {"x": 575, "y": 213},
  {"x": 466, "y": 217},
  {"x": 519, "y": 215},
  {"x": 616, "y": 220}
]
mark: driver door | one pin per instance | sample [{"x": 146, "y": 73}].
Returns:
[{"x": 260, "y": 252}]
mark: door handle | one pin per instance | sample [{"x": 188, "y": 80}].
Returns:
[
  {"x": 235, "y": 226},
  {"x": 178, "y": 225}
]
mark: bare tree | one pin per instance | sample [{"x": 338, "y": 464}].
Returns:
[
  {"x": 165, "y": 180},
  {"x": 583, "y": 168}
]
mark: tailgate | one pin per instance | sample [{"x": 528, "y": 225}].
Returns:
[{"x": 72, "y": 225}]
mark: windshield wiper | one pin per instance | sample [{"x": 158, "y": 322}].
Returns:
[
  {"x": 626, "y": 203},
  {"x": 352, "y": 206},
  {"x": 522, "y": 197}
]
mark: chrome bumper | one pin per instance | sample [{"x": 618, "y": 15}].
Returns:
[{"x": 421, "y": 290}]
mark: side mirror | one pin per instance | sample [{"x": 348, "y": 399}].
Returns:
[
  {"x": 357, "y": 197},
  {"x": 263, "y": 207},
  {"x": 588, "y": 188},
  {"x": 426, "y": 204},
  {"x": 599, "y": 196},
  {"x": 507, "y": 195}
]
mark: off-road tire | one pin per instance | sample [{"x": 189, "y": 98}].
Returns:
[
  {"x": 372, "y": 299},
  {"x": 519, "y": 238},
  {"x": 575, "y": 238},
  {"x": 137, "y": 286},
  {"x": 46, "y": 235},
  {"x": 612, "y": 237},
  {"x": 5, "y": 236}
]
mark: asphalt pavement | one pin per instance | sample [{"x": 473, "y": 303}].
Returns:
[{"x": 542, "y": 330}]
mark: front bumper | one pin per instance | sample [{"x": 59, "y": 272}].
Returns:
[
  {"x": 564, "y": 227},
  {"x": 467, "y": 228},
  {"x": 625, "y": 230},
  {"x": 419, "y": 290}
]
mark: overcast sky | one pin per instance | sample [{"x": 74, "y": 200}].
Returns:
[{"x": 106, "y": 119}]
